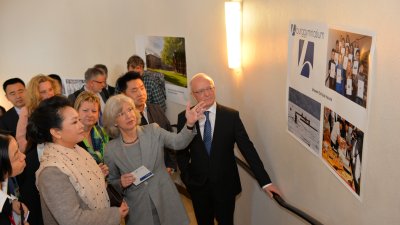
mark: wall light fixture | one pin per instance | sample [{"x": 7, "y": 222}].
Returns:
[{"x": 233, "y": 21}]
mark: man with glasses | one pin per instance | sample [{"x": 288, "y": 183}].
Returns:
[
  {"x": 95, "y": 81},
  {"x": 208, "y": 166},
  {"x": 110, "y": 89}
]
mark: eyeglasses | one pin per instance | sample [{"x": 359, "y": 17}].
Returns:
[
  {"x": 129, "y": 110},
  {"x": 202, "y": 91}
]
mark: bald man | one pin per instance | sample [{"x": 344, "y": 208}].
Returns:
[{"x": 208, "y": 166}]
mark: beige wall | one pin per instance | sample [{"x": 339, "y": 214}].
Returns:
[{"x": 66, "y": 37}]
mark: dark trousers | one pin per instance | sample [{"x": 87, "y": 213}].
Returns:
[{"x": 209, "y": 205}]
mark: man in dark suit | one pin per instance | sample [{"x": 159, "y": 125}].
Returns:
[
  {"x": 110, "y": 89},
  {"x": 131, "y": 84},
  {"x": 208, "y": 166},
  {"x": 95, "y": 82},
  {"x": 15, "y": 93}
]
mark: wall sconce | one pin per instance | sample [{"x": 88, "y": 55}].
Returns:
[{"x": 233, "y": 21}]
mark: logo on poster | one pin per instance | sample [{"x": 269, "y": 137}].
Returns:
[
  {"x": 306, "y": 32},
  {"x": 305, "y": 60}
]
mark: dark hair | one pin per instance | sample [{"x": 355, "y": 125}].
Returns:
[
  {"x": 12, "y": 81},
  {"x": 91, "y": 73},
  {"x": 57, "y": 78},
  {"x": 121, "y": 84},
  {"x": 5, "y": 164},
  {"x": 46, "y": 116},
  {"x": 134, "y": 61},
  {"x": 101, "y": 67}
]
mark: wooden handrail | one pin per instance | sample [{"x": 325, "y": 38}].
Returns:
[
  {"x": 280, "y": 200},
  {"x": 276, "y": 196}
]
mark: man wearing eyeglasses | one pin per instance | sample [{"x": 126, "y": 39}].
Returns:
[
  {"x": 208, "y": 166},
  {"x": 95, "y": 81}
]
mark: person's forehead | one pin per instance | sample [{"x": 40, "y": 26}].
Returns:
[
  {"x": 44, "y": 84},
  {"x": 15, "y": 86},
  {"x": 201, "y": 81},
  {"x": 135, "y": 83},
  {"x": 69, "y": 112},
  {"x": 100, "y": 76}
]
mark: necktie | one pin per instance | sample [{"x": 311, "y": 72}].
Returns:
[
  {"x": 143, "y": 121},
  {"x": 207, "y": 133}
]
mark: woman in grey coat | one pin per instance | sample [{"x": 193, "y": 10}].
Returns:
[{"x": 156, "y": 200}]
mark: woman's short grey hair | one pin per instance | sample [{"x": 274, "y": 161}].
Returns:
[{"x": 111, "y": 110}]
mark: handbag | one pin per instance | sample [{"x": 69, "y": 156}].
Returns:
[{"x": 115, "y": 197}]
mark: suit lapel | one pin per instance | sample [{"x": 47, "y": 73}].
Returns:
[
  {"x": 14, "y": 118},
  {"x": 149, "y": 155},
  {"x": 216, "y": 128},
  {"x": 149, "y": 116}
]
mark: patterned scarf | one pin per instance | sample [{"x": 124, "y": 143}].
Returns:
[{"x": 83, "y": 172}]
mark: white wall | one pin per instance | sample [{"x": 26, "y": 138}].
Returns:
[{"x": 66, "y": 37}]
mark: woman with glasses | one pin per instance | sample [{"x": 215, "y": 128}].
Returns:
[{"x": 134, "y": 147}]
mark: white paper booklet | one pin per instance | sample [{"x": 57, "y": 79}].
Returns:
[{"x": 141, "y": 174}]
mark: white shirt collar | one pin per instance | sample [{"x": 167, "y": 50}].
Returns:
[
  {"x": 213, "y": 108},
  {"x": 18, "y": 110}
]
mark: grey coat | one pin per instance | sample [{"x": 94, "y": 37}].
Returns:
[
  {"x": 61, "y": 205},
  {"x": 160, "y": 187}
]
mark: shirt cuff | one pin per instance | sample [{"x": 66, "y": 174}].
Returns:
[{"x": 263, "y": 187}]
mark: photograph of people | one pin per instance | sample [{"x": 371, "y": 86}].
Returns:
[
  {"x": 348, "y": 65},
  {"x": 342, "y": 148}
]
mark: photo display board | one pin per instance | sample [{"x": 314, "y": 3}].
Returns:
[{"x": 329, "y": 82}]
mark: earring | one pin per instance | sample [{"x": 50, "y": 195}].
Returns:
[{"x": 115, "y": 125}]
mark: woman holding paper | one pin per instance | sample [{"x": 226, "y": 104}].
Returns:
[
  {"x": 12, "y": 163},
  {"x": 155, "y": 200}
]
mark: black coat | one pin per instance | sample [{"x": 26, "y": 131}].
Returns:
[
  {"x": 9, "y": 121},
  {"x": 27, "y": 187},
  {"x": 220, "y": 168}
]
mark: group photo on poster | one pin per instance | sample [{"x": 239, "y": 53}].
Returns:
[
  {"x": 348, "y": 65},
  {"x": 342, "y": 147},
  {"x": 330, "y": 75}
]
